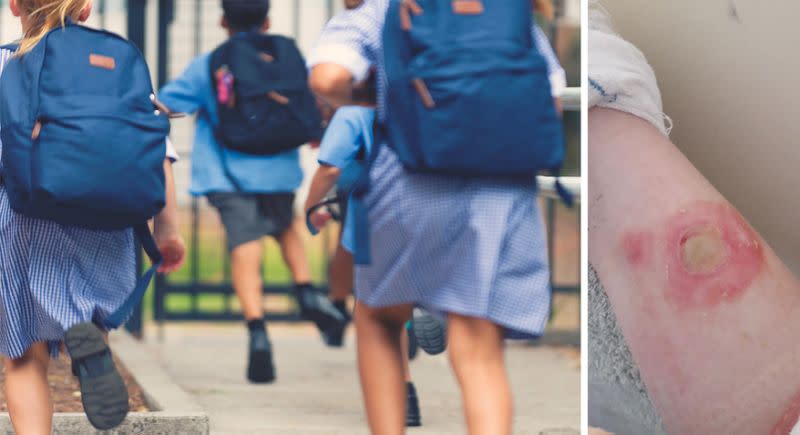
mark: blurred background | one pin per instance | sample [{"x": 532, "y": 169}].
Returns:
[{"x": 171, "y": 33}]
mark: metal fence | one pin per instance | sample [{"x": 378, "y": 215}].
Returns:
[{"x": 171, "y": 33}]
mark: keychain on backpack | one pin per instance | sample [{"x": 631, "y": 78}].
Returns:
[{"x": 225, "y": 79}]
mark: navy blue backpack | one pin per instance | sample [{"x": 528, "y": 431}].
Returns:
[
  {"x": 468, "y": 91},
  {"x": 82, "y": 142},
  {"x": 264, "y": 104}
]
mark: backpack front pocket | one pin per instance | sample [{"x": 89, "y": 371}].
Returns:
[{"x": 111, "y": 165}]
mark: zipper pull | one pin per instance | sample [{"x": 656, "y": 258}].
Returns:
[{"x": 424, "y": 93}]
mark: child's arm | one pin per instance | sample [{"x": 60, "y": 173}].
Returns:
[
  {"x": 166, "y": 234},
  {"x": 345, "y": 53},
  {"x": 186, "y": 93},
  {"x": 323, "y": 181}
]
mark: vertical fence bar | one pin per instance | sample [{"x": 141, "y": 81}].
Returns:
[
  {"x": 166, "y": 9},
  {"x": 136, "y": 26},
  {"x": 198, "y": 25}
]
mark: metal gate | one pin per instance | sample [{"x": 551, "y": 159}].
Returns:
[
  {"x": 186, "y": 29},
  {"x": 202, "y": 290}
]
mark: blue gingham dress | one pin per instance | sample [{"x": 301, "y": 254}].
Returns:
[
  {"x": 53, "y": 277},
  {"x": 451, "y": 245}
]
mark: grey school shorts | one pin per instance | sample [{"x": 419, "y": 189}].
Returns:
[{"x": 251, "y": 216}]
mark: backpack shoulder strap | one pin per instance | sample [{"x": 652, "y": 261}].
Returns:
[{"x": 118, "y": 317}]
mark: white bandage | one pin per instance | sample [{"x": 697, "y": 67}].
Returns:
[{"x": 619, "y": 76}]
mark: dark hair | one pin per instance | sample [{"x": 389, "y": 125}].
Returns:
[{"x": 245, "y": 14}]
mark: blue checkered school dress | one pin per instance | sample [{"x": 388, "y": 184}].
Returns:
[
  {"x": 53, "y": 277},
  {"x": 474, "y": 247}
]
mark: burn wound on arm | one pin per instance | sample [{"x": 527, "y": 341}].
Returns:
[{"x": 709, "y": 253}]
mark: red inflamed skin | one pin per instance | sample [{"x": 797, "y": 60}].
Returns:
[
  {"x": 710, "y": 255},
  {"x": 709, "y": 312},
  {"x": 789, "y": 419}
]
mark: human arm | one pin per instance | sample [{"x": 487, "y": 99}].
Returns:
[
  {"x": 186, "y": 93},
  {"x": 324, "y": 180},
  {"x": 345, "y": 52},
  {"x": 339, "y": 149},
  {"x": 709, "y": 312},
  {"x": 166, "y": 233}
]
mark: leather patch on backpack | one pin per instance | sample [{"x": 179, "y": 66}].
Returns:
[
  {"x": 101, "y": 61},
  {"x": 278, "y": 98},
  {"x": 468, "y": 7},
  {"x": 266, "y": 57}
]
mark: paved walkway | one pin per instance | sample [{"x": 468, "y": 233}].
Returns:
[{"x": 317, "y": 391}]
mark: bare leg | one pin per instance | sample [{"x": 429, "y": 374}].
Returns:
[
  {"x": 246, "y": 275},
  {"x": 710, "y": 313},
  {"x": 28, "y": 393},
  {"x": 294, "y": 255},
  {"x": 476, "y": 354},
  {"x": 404, "y": 346},
  {"x": 380, "y": 364},
  {"x": 341, "y": 281}
]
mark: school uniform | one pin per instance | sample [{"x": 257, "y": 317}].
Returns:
[
  {"x": 475, "y": 247},
  {"x": 347, "y": 141},
  {"x": 53, "y": 276},
  {"x": 264, "y": 204}
]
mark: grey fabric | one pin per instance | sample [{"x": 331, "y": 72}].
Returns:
[
  {"x": 251, "y": 216},
  {"x": 618, "y": 400}
]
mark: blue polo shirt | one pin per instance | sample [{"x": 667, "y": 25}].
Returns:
[
  {"x": 347, "y": 138},
  {"x": 192, "y": 93}
]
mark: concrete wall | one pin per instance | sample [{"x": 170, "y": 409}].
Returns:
[{"x": 728, "y": 71}]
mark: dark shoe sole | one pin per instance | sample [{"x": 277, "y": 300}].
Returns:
[
  {"x": 413, "y": 346},
  {"x": 431, "y": 334},
  {"x": 325, "y": 319},
  {"x": 260, "y": 370},
  {"x": 334, "y": 338},
  {"x": 104, "y": 397}
]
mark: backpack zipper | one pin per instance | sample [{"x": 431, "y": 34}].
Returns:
[{"x": 408, "y": 7}]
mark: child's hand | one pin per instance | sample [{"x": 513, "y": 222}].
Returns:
[
  {"x": 319, "y": 218},
  {"x": 172, "y": 248}
]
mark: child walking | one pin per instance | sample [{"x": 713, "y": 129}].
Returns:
[
  {"x": 472, "y": 248},
  {"x": 58, "y": 283},
  {"x": 342, "y": 157},
  {"x": 253, "y": 193}
]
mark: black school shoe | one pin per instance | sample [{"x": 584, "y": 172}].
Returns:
[
  {"x": 413, "y": 417},
  {"x": 260, "y": 369},
  {"x": 413, "y": 346},
  {"x": 334, "y": 336},
  {"x": 103, "y": 392},
  {"x": 316, "y": 307},
  {"x": 430, "y": 332}
]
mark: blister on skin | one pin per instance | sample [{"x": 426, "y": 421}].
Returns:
[
  {"x": 712, "y": 256},
  {"x": 706, "y": 251}
]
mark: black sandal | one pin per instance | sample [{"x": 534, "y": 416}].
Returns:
[{"x": 103, "y": 392}]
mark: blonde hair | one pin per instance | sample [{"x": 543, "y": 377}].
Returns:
[{"x": 46, "y": 15}]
